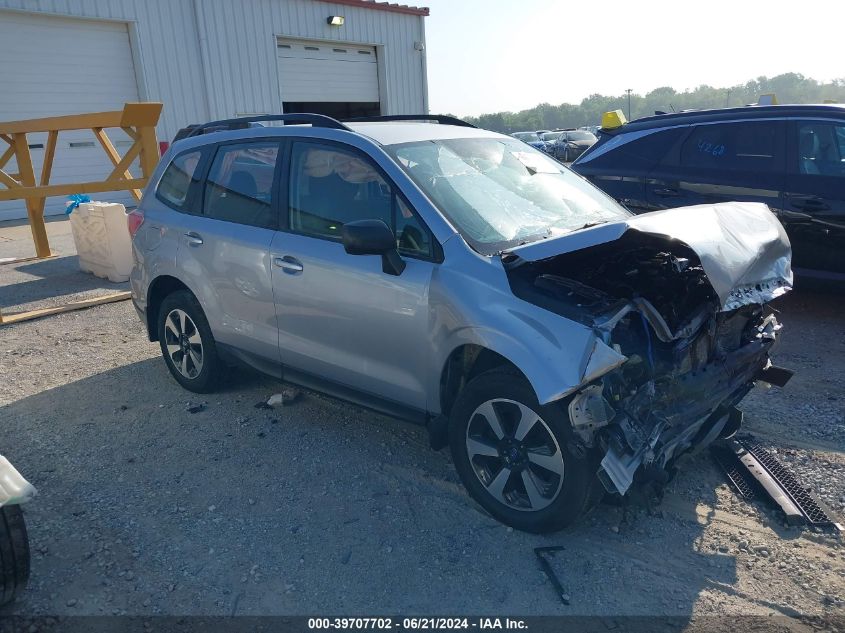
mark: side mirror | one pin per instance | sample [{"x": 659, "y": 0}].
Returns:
[{"x": 373, "y": 237}]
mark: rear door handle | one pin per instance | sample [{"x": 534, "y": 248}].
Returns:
[
  {"x": 291, "y": 265},
  {"x": 666, "y": 192},
  {"x": 193, "y": 239}
]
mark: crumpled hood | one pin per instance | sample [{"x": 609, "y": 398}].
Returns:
[{"x": 742, "y": 246}]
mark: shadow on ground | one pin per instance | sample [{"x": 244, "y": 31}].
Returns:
[
  {"x": 321, "y": 507},
  {"x": 30, "y": 283}
]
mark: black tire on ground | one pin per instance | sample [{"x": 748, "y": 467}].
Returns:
[
  {"x": 14, "y": 553},
  {"x": 207, "y": 379},
  {"x": 579, "y": 489}
]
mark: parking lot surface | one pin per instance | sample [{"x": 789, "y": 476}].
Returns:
[{"x": 322, "y": 507}]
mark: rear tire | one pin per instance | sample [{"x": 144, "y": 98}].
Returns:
[
  {"x": 519, "y": 460},
  {"x": 14, "y": 553},
  {"x": 187, "y": 344}
]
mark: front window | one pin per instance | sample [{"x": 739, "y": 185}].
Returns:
[
  {"x": 528, "y": 137},
  {"x": 550, "y": 137},
  {"x": 821, "y": 149},
  {"x": 581, "y": 136},
  {"x": 499, "y": 193},
  {"x": 330, "y": 186}
]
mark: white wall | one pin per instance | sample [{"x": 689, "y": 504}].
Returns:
[{"x": 210, "y": 59}]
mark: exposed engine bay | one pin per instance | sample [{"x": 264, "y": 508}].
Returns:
[{"x": 689, "y": 359}]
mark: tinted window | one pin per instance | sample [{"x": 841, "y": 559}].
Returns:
[
  {"x": 636, "y": 155},
  {"x": 178, "y": 177},
  {"x": 240, "y": 184},
  {"x": 821, "y": 149},
  {"x": 330, "y": 186},
  {"x": 747, "y": 145}
]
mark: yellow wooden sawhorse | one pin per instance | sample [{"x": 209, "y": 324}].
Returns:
[{"x": 137, "y": 120}]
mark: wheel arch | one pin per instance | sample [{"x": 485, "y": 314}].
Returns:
[
  {"x": 160, "y": 288},
  {"x": 465, "y": 362}
]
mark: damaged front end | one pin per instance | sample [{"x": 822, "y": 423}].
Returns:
[{"x": 681, "y": 294}]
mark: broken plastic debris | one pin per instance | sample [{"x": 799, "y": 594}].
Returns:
[{"x": 287, "y": 396}]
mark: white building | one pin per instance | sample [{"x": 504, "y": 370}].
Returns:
[{"x": 205, "y": 60}]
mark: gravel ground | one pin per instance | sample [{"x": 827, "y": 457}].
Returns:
[{"x": 321, "y": 507}]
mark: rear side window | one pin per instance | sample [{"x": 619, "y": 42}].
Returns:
[
  {"x": 178, "y": 178},
  {"x": 639, "y": 154},
  {"x": 749, "y": 145},
  {"x": 239, "y": 187}
]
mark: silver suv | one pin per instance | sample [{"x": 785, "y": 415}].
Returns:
[{"x": 459, "y": 278}]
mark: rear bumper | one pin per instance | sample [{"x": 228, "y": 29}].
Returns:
[{"x": 142, "y": 314}]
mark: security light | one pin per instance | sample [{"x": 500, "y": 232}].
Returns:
[{"x": 335, "y": 20}]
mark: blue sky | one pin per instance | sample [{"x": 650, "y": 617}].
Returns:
[{"x": 493, "y": 55}]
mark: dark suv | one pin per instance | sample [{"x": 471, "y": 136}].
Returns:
[{"x": 791, "y": 157}]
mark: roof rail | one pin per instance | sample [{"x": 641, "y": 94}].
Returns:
[
  {"x": 316, "y": 120},
  {"x": 443, "y": 119}
]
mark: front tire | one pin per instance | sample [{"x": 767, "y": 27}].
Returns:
[
  {"x": 187, "y": 344},
  {"x": 14, "y": 553},
  {"x": 519, "y": 460}
]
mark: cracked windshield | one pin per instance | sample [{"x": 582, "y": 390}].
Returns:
[{"x": 502, "y": 193}]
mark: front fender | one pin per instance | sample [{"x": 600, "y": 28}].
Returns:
[
  {"x": 472, "y": 303},
  {"x": 555, "y": 365}
]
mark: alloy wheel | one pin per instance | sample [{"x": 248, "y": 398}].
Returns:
[
  {"x": 183, "y": 343},
  {"x": 514, "y": 454}
]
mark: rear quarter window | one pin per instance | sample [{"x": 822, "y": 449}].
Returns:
[
  {"x": 180, "y": 176},
  {"x": 749, "y": 145},
  {"x": 639, "y": 154}
]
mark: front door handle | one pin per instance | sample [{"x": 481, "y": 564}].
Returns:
[
  {"x": 193, "y": 239},
  {"x": 808, "y": 203},
  {"x": 290, "y": 265}
]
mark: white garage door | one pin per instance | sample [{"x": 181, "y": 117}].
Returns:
[
  {"x": 52, "y": 66},
  {"x": 320, "y": 72}
]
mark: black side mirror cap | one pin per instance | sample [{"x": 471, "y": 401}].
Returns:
[{"x": 373, "y": 237}]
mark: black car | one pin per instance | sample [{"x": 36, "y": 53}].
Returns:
[
  {"x": 791, "y": 157},
  {"x": 571, "y": 144}
]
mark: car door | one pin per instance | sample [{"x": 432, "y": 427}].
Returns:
[
  {"x": 722, "y": 162},
  {"x": 225, "y": 250},
  {"x": 343, "y": 321},
  {"x": 814, "y": 205}
]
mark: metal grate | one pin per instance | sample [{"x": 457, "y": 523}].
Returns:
[
  {"x": 803, "y": 497},
  {"x": 743, "y": 483}
]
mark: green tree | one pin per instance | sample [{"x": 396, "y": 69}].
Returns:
[{"x": 788, "y": 88}]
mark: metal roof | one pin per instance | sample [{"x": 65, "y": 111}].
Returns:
[
  {"x": 392, "y": 133},
  {"x": 381, "y": 6}
]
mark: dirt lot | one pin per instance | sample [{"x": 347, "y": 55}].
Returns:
[{"x": 322, "y": 507}]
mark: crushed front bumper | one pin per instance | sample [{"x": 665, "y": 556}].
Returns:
[{"x": 670, "y": 416}]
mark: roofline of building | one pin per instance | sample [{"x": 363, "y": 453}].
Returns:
[{"x": 382, "y": 6}]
